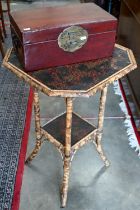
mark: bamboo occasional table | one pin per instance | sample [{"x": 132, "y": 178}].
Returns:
[{"x": 68, "y": 132}]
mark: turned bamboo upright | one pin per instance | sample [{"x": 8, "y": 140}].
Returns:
[
  {"x": 67, "y": 150},
  {"x": 97, "y": 142},
  {"x": 37, "y": 128}
]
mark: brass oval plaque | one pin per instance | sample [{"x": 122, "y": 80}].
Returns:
[{"x": 72, "y": 38}]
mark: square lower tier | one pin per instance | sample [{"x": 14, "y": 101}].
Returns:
[{"x": 80, "y": 128}]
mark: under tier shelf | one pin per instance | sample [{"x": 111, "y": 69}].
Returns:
[{"x": 80, "y": 129}]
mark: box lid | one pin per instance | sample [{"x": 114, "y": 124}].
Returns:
[{"x": 45, "y": 24}]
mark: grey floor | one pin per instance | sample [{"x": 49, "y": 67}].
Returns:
[{"x": 91, "y": 186}]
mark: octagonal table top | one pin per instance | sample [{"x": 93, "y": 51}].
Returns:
[{"x": 82, "y": 79}]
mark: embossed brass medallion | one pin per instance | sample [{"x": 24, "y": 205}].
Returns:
[{"x": 72, "y": 38}]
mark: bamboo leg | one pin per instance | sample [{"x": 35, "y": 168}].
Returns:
[
  {"x": 100, "y": 126},
  {"x": 67, "y": 152},
  {"x": 37, "y": 129}
]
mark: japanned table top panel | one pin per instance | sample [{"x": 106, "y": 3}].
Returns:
[{"x": 82, "y": 79}]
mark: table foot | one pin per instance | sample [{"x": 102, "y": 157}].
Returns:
[
  {"x": 64, "y": 189},
  {"x": 101, "y": 153},
  {"x": 34, "y": 152}
]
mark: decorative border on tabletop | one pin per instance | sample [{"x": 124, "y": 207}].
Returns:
[{"x": 71, "y": 93}]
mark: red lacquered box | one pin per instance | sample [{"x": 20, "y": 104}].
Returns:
[{"x": 55, "y": 36}]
